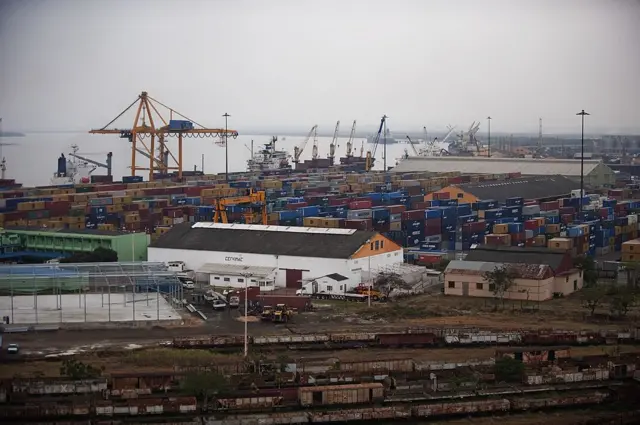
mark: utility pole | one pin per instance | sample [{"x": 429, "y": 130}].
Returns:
[
  {"x": 489, "y": 139},
  {"x": 582, "y": 114},
  {"x": 226, "y": 147}
]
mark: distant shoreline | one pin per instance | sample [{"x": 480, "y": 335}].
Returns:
[{"x": 12, "y": 134}]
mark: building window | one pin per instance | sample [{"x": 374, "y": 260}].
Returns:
[
  {"x": 479, "y": 286},
  {"x": 460, "y": 195},
  {"x": 377, "y": 245},
  {"x": 575, "y": 285},
  {"x": 253, "y": 281},
  {"x": 371, "y": 246},
  {"x": 216, "y": 278},
  {"x": 241, "y": 280},
  {"x": 381, "y": 244},
  {"x": 452, "y": 284},
  {"x": 329, "y": 288},
  {"x": 226, "y": 279},
  {"x": 492, "y": 286}
]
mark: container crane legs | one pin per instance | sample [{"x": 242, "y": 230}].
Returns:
[
  {"x": 297, "y": 150},
  {"x": 332, "y": 146},
  {"x": 150, "y": 123}
]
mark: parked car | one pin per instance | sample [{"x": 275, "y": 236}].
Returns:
[
  {"x": 188, "y": 284},
  {"x": 219, "y": 304},
  {"x": 234, "y": 301}
]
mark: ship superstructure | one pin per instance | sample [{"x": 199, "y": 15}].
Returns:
[{"x": 269, "y": 158}]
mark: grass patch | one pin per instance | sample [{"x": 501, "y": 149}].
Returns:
[{"x": 169, "y": 357}]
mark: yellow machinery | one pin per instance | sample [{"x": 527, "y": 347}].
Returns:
[
  {"x": 280, "y": 314},
  {"x": 150, "y": 124},
  {"x": 253, "y": 203}
]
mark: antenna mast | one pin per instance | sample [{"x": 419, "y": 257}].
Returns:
[{"x": 539, "y": 134}]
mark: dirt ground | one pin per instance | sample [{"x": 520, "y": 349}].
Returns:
[
  {"x": 430, "y": 310},
  {"x": 565, "y": 417}
]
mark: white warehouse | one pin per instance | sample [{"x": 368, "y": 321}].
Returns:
[{"x": 274, "y": 256}]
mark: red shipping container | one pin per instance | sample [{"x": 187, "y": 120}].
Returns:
[
  {"x": 432, "y": 230},
  {"x": 549, "y": 206},
  {"x": 434, "y": 222},
  {"x": 293, "y": 207},
  {"x": 531, "y": 224},
  {"x": 517, "y": 238},
  {"x": 604, "y": 212},
  {"x": 413, "y": 215},
  {"x": 530, "y": 202},
  {"x": 413, "y": 190},
  {"x": 429, "y": 258},
  {"x": 515, "y": 175},
  {"x": 382, "y": 227},
  {"x": 358, "y": 224},
  {"x": 474, "y": 227},
  {"x": 397, "y": 209},
  {"x": 192, "y": 191},
  {"x": 420, "y": 205},
  {"x": 454, "y": 180},
  {"x": 496, "y": 240},
  {"x": 360, "y": 204},
  {"x": 566, "y": 218},
  {"x": 567, "y": 210},
  {"x": 338, "y": 201}
]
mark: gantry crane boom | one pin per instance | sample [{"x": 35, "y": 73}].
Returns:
[
  {"x": 297, "y": 150},
  {"x": 415, "y": 151},
  {"x": 332, "y": 146},
  {"x": 106, "y": 165},
  {"x": 371, "y": 155},
  {"x": 253, "y": 202},
  {"x": 158, "y": 130},
  {"x": 350, "y": 141}
]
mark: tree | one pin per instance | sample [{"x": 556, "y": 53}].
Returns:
[
  {"x": 387, "y": 282},
  {"x": 621, "y": 300},
  {"x": 587, "y": 265},
  {"x": 500, "y": 279},
  {"x": 98, "y": 255},
  {"x": 592, "y": 297},
  {"x": 508, "y": 369},
  {"x": 204, "y": 385},
  {"x": 75, "y": 369}
]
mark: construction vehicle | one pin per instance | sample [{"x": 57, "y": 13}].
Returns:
[
  {"x": 278, "y": 314},
  {"x": 370, "y": 292},
  {"x": 253, "y": 205}
]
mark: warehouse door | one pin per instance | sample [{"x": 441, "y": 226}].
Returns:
[{"x": 293, "y": 278}]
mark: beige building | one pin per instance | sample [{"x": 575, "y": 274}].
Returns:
[{"x": 535, "y": 280}]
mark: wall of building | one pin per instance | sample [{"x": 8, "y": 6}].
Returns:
[
  {"x": 568, "y": 283},
  {"x": 220, "y": 280},
  {"x": 473, "y": 285},
  {"x": 311, "y": 267}
]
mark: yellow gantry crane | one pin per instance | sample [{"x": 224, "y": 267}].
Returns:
[
  {"x": 253, "y": 204},
  {"x": 150, "y": 123}
]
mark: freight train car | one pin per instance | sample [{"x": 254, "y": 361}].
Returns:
[{"x": 341, "y": 394}]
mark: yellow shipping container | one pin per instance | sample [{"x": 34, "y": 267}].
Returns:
[
  {"x": 501, "y": 229},
  {"x": 632, "y": 246},
  {"x": 564, "y": 244}
]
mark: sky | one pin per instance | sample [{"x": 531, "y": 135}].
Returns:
[{"x": 290, "y": 64}]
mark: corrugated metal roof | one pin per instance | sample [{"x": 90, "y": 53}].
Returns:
[
  {"x": 531, "y": 187},
  {"x": 476, "y": 266},
  {"x": 236, "y": 269},
  {"x": 525, "y": 271},
  {"x": 479, "y": 165}
]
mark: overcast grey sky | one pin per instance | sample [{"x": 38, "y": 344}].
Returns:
[{"x": 75, "y": 64}]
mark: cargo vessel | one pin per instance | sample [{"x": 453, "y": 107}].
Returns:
[
  {"x": 269, "y": 159},
  {"x": 71, "y": 171}
]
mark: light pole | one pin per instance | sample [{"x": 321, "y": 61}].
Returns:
[
  {"x": 489, "y": 138},
  {"x": 226, "y": 147},
  {"x": 247, "y": 276},
  {"x": 582, "y": 114}
]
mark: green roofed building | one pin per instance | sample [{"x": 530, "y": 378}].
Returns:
[{"x": 129, "y": 246}]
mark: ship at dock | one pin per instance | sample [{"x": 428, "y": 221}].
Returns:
[{"x": 269, "y": 159}]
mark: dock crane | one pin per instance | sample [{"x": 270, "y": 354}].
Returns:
[
  {"x": 253, "y": 204},
  {"x": 3, "y": 160},
  {"x": 96, "y": 164},
  {"x": 371, "y": 154},
  {"x": 413, "y": 147},
  {"x": 314, "y": 148},
  {"x": 297, "y": 150},
  {"x": 150, "y": 123},
  {"x": 332, "y": 146},
  {"x": 350, "y": 141}
]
